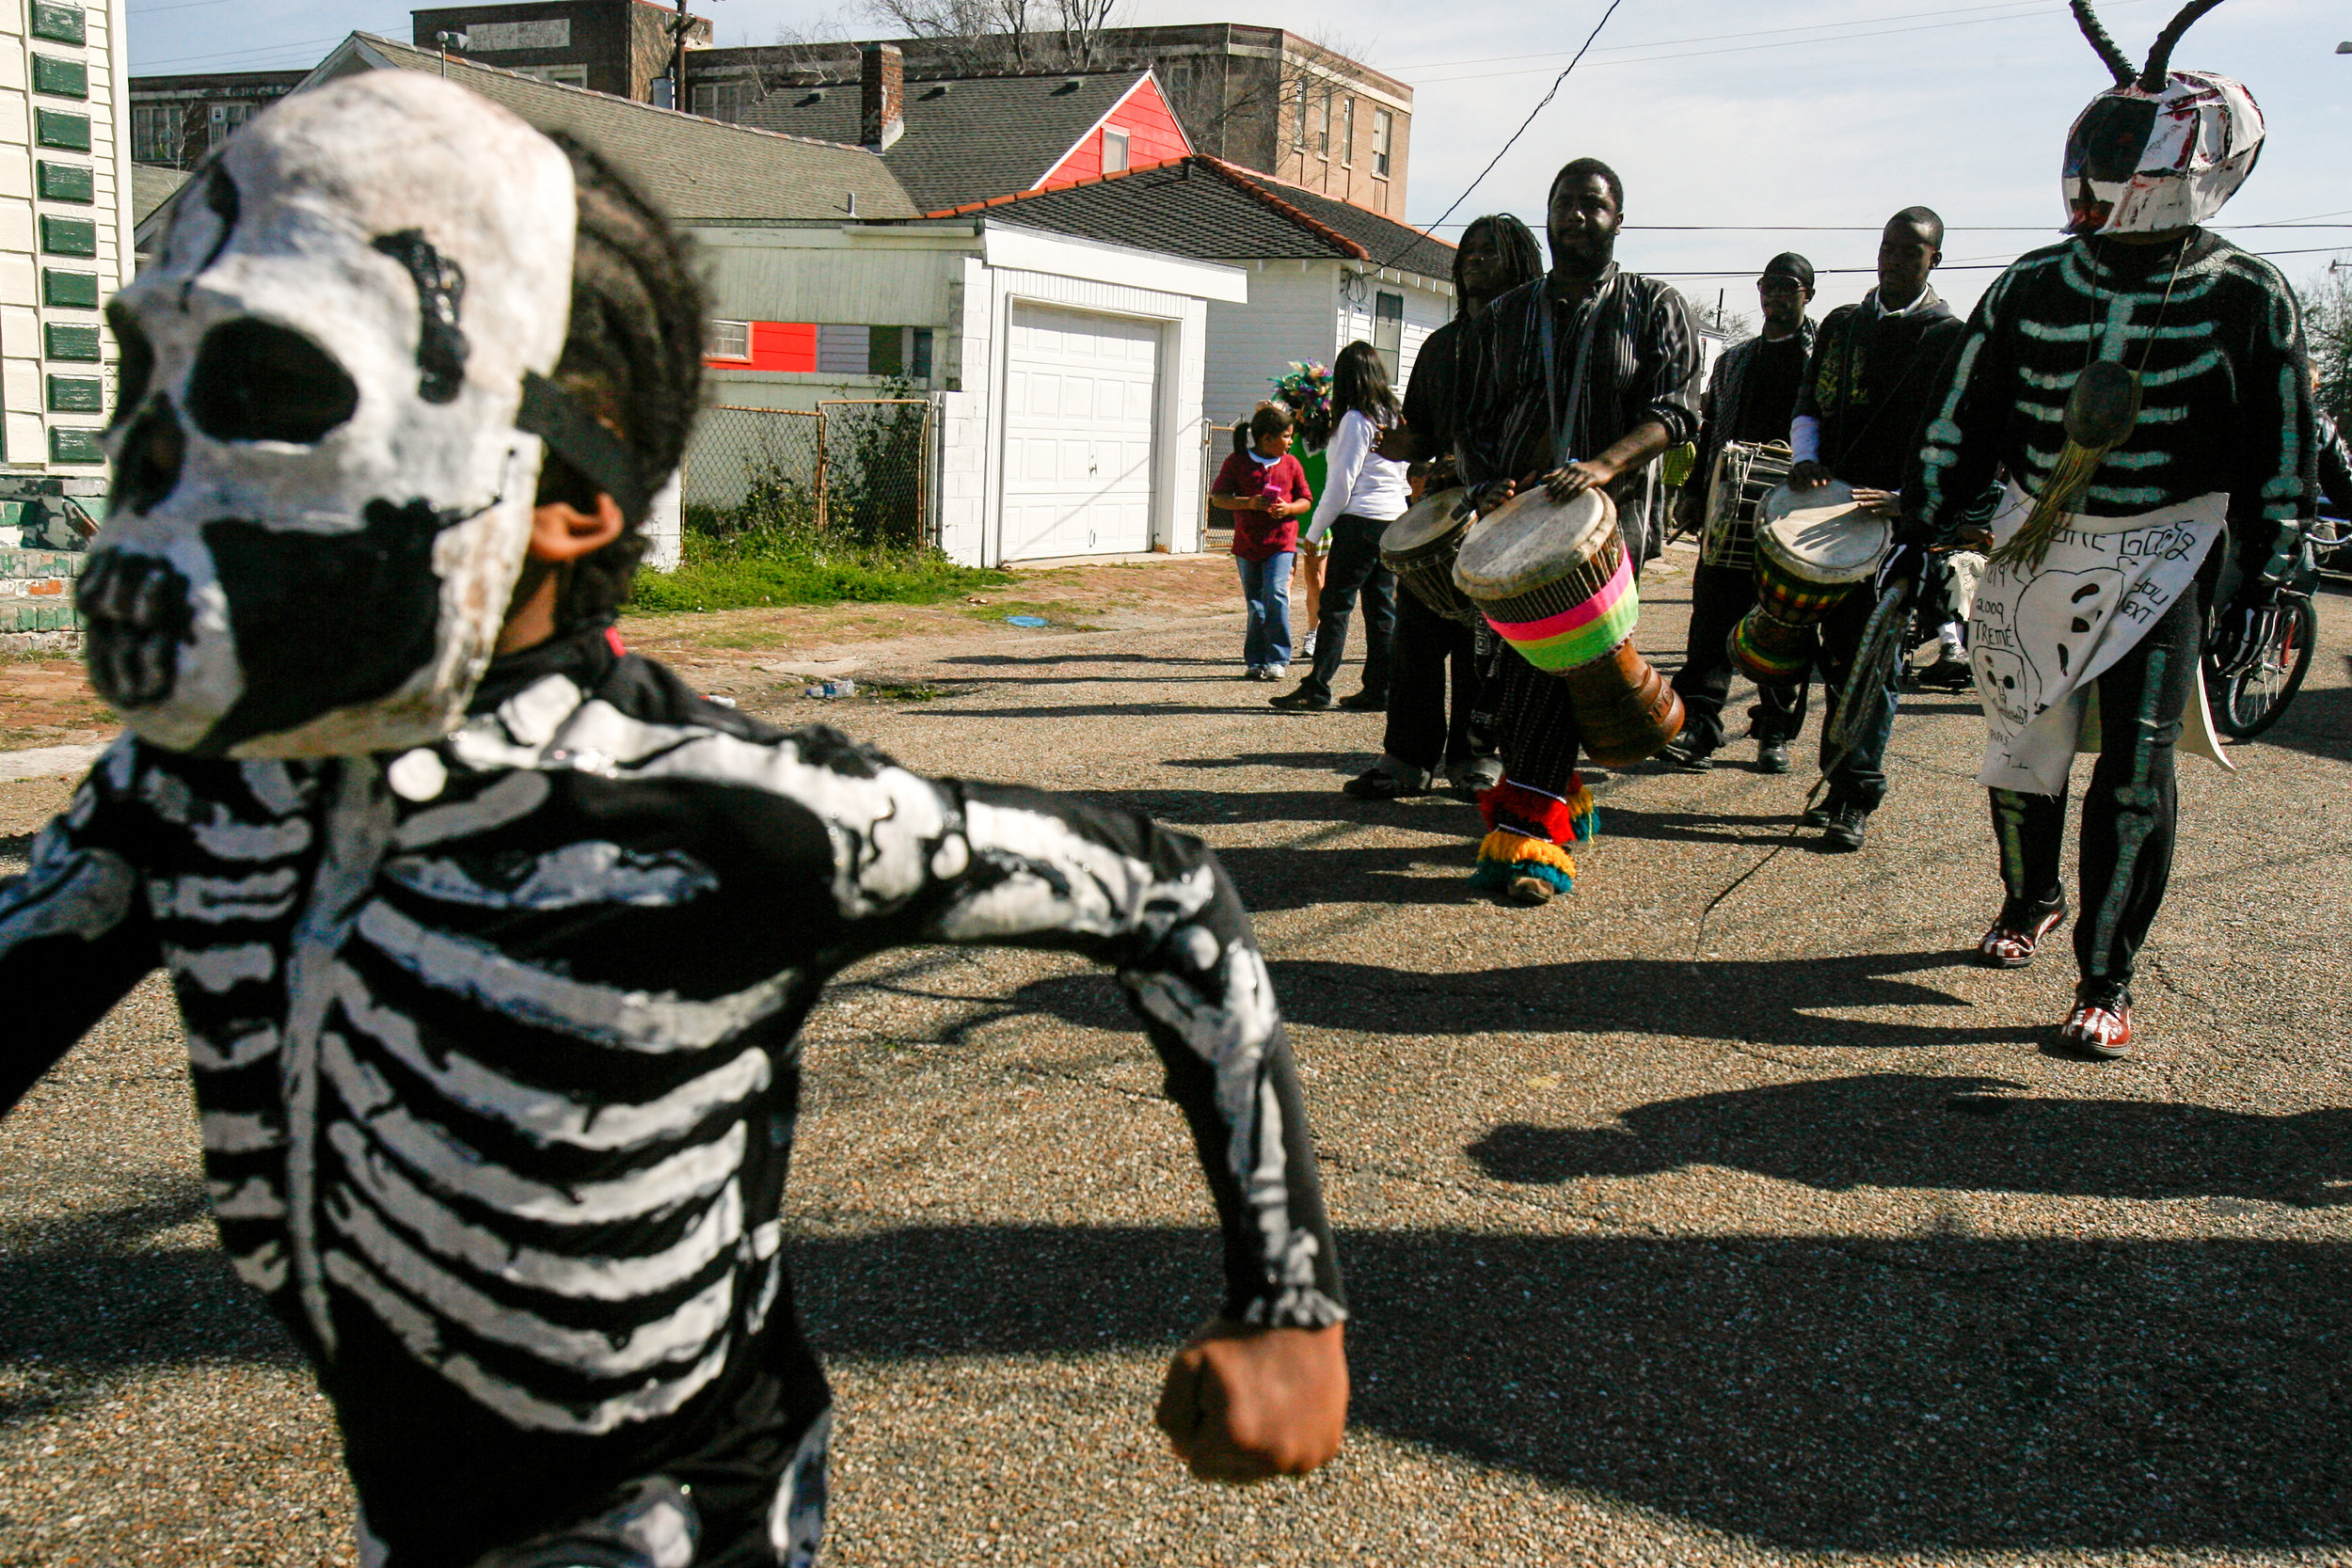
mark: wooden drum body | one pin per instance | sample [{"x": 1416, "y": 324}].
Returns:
[
  {"x": 1745, "y": 473},
  {"x": 1554, "y": 583},
  {"x": 1420, "y": 546},
  {"x": 1813, "y": 548}
]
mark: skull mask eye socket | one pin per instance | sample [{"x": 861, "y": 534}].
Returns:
[
  {"x": 2107, "y": 142},
  {"x": 256, "y": 381}
]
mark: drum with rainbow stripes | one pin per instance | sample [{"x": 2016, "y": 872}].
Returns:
[
  {"x": 1813, "y": 548},
  {"x": 1553, "y": 580}
]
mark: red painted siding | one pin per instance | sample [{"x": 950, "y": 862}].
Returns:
[
  {"x": 776, "y": 346},
  {"x": 1153, "y": 137}
]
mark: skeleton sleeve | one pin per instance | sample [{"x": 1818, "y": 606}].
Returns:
[
  {"x": 74, "y": 935},
  {"x": 1018, "y": 867},
  {"x": 1958, "y": 446},
  {"x": 2277, "y": 482}
]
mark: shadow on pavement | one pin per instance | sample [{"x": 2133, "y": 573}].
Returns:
[
  {"x": 1894, "y": 1130},
  {"x": 1761, "y": 1001},
  {"x": 2319, "y": 723},
  {"x": 1017, "y": 659},
  {"x": 1816, "y": 1393}
]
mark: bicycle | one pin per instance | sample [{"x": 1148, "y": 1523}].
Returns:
[{"x": 2249, "y": 702}]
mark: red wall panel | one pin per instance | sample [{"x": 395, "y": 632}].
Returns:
[
  {"x": 776, "y": 346},
  {"x": 1153, "y": 137}
]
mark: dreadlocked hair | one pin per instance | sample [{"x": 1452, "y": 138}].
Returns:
[
  {"x": 1514, "y": 246},
  {"x": 632, "y": 354}
]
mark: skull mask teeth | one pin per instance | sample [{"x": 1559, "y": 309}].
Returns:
[{"x": 321, "y": 500}]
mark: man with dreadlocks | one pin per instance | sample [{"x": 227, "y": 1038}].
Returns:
[
  {"x": 492, "y": 941},
  {"x": 1497, "y": 254},
  {"x": 2142, "y": 383},
  {"x": 1575, "y": 381}
]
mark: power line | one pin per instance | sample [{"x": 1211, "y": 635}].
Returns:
[
  {"x": 2035, "y": 6},
  {"x": 1743, "y": 48},
  {"x": 1550, "y": 94},
  {"x": 1963, "y": 266}
]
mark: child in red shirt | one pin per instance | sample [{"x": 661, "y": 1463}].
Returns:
[{"x": 1266, "y": 490}]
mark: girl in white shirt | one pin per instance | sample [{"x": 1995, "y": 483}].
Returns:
[{"x": 1362, "y": 494}]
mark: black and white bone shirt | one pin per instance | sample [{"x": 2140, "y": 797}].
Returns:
[{"x": 493, "y": 1043}]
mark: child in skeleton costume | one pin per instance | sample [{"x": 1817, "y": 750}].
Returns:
[
  {"x": 491, "y": 968},
  {"x": 2143, "y": 383}
]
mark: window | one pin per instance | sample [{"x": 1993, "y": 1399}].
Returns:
[
  {"x": 222, "y": 121},
  {"x": 1298, "y": 117},
  {"x": 728, "y": 340},
  {"x": 1383, "y": 132},
  {"x": 726, "y": 100},
  {"x": 564, "y": 75},
  {"x": 156, "y": 130},
  {"x": 1348, "y": 132},
  {"x": 1114, "y": 151},
  {"x": 921, "y": 368},
  {"x": 1323, "y": 132},
  {"x": 1387, "y": 332}
]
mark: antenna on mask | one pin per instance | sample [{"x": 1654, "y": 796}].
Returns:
[
  {"x": 2117, "y": 61},
  {"x": 2160, "y": 54}
]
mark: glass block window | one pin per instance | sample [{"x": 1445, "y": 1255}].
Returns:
[
  {"x": 59, "y": 77},
  {"x": 70, "y": 340},
  {"x": 71, "y": 444},
  {"x": 76, "y": 395},
  {"x": 66, "y": 182},
  {"x": 58, "y": 24},
  {"x": 67, "y": 132},
  {"x": 63, "y": 236},
  {"x": 77, "y": 289}
]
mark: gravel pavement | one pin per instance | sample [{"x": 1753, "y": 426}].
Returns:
[{"x": 1783, "y": 1241}]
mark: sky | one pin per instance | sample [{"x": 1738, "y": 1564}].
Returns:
[{"x": 1808, "y": 114}]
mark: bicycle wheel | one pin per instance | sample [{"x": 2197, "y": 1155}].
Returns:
[{"x": 2251, "y": 701}]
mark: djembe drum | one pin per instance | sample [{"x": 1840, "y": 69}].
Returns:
[
  {"x": 1813, "y": 548},
  {"x": 1420, "y": 547},
  {"x": 1745, "y": 473},
  {"x": 1553, "y": 580}
]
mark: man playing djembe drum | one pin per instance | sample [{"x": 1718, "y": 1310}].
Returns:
[
  {"x": 1751, "y": 398},
  {"x": 1577, "y": 381},
  {"x": 1875, "y": 366}
]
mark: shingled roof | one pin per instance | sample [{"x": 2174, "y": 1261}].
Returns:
[
  {"x": 1206, "y": 208},
  {"x": 690, "y": 167},
  {"x": 967, "y": 138}
]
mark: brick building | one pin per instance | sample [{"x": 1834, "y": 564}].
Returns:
[
  {"x": 621, "y": 47},
  {"x": 175, "y": 119}
]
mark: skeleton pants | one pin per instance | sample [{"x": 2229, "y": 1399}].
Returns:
[{"x": 2131, "y": 813}]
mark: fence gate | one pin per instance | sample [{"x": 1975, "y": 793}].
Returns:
[{"x": 855, "y": 469}]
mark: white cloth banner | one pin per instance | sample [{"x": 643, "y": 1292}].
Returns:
[{"x": 2038, "y": 642}]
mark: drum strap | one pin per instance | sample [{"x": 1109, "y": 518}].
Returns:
[{"x": 1565, "y": 432}]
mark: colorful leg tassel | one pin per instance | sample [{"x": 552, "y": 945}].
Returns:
[
  {"x": 1503, "y": 855},
  {"x": 1518, "y": 808}
]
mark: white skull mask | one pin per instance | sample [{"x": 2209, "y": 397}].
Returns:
[
  {"x": 320, "y": 498},
  {"x": 2141, "y": 161}
]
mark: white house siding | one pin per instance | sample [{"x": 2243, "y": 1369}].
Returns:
[
  {"x": 28, "y": 374},
  {"x": 1292, "y": 313},
  {"x": 1297, "y": 310}
]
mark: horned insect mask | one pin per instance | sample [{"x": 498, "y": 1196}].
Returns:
[
  {"x": 323, "y": 475},
  {"x": 2163, "y": 148}
]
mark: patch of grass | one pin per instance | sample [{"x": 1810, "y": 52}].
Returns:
[{"x": 748, "y": 568}]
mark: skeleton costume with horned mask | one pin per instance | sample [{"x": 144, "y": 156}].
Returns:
[
  {"x": 492, "y": 970},
  {"x": 2142, "y": 385}
]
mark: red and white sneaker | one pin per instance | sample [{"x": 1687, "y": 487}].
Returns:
[
  {"x": 2103, "y": 1029},
  {"x": 2010, "y": 941}
]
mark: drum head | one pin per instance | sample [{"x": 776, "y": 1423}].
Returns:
[
  {"x": 1820, "y": 536},
  {"x": 1427, "y": 520},
  {"x": 1530, "y": 540}
]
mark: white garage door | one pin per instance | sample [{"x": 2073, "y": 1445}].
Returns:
[{"x": 1080, "y": 391}]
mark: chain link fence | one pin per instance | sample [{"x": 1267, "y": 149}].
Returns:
[{"x": 854, "y": 470}]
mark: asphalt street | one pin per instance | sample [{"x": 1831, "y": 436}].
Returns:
[{"x": 1788, "y": 1239}]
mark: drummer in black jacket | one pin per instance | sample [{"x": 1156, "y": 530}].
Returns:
[
  {"x": 1528, "y": 416},
  {"x": 1497, "y": 253},
  {"x": 1751, "y": 396},
  {"x": 1875, "y": 365}
]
